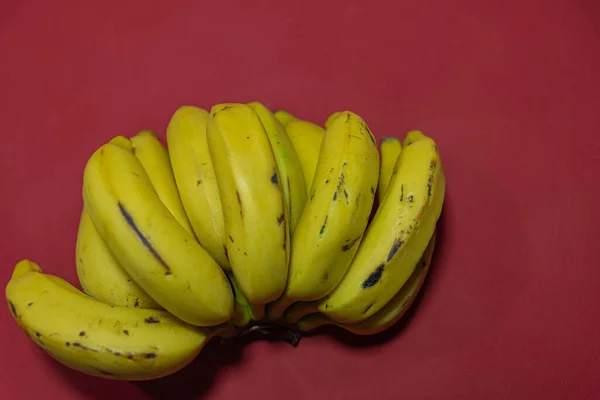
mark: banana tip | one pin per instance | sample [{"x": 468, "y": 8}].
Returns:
[{"x": 24, "y": 267}]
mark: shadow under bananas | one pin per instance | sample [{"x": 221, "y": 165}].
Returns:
[
  {"x": 352, "y": 340},
  {"x": 196, "y": 380}
]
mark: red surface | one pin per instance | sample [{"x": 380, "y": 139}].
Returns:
[{"x": 510, "y": 91}]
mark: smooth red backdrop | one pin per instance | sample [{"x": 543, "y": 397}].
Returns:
[{"x": 510, "y": 90}]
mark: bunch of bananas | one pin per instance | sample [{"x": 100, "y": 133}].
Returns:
[{"x": 247, "y": 220}]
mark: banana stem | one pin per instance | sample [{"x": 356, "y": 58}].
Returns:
[{"x": 290, "y": 335}]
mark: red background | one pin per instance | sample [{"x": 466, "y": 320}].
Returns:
[{"x": 510, "y": 90}]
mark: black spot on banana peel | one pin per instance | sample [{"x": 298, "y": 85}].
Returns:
[
  {"x": 239, "y": 200},
  {"x": 13, "y": 309},
  {"x": 368, "y": 308},
  {"x": 402, "y": 193},
  {"x": 366, "y": 128},
  {"x": 373, "y": 278},
  {"x": 281, "y": 219},
  {"x": 432, "y": 167},
  {"x": 350, "y": 243},
  {"x": 341, "y": 182},
  {"x": 323, "y": 226},
  {"x": 126, "y": 332},
  {"x": 152, "y": 320},
  {"x": 231, "y": 239},
  {"x": 82, "y": 333},
  {"x": 395, "y": 247},
  {"x": 274, "y": 179},
  {"x": 83, "y": 347},
  {"x": 142, "y": 238}
]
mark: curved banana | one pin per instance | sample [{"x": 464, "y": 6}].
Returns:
[
  {"x": 390, "y": 314},
  {"x": 253, "y": 203},
  {"x": 390, "y": 148},
  {"x": 331, "y": 118},
  {"x": 96, "y": 338},
  {"x": 195, "y": 176},
  {"x": 284, "y": 117},
  {"x": 337, "y": 212},
  {"x": 290, "y": 170},
  {"x": 396, "y": 237},
  {"x": 306, "y": 138},
  {"x": 100, "y": 274},
  {"x": 155, "y": 159},
  {"x": 153, "y": 248}
]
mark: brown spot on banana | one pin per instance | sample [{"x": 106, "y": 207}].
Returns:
[
  {"x": 83, "y": 347},
  {"x": 239, "y": 200},
  {"x": 152, "y": 320},
  {"x": 350, "y": 243},
  {"x": 323, "y": 226}
]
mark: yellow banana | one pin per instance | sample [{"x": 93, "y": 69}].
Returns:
[
  {"x": 242, "y": 314},
  {"x": 154, "y": 249},
  {"x": 288, "y": 166},
  {"x": 253, "y": 203},
  {"x": 390, "y": 148},
  {"x": 306, "y": 138},
  {"x": 284, "y": 117},
  {"x": 331, "y": 118},
  {"x": 155, "y": 160},
  {"x": 195, "y": 176},
  {"x": 390, "y": 314},
  {"x": 336, "y": 214},
  {"x": 100, "y": 274},
  {"x": 96, "y": 338},
  {"x": 396, "y": 238}
]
